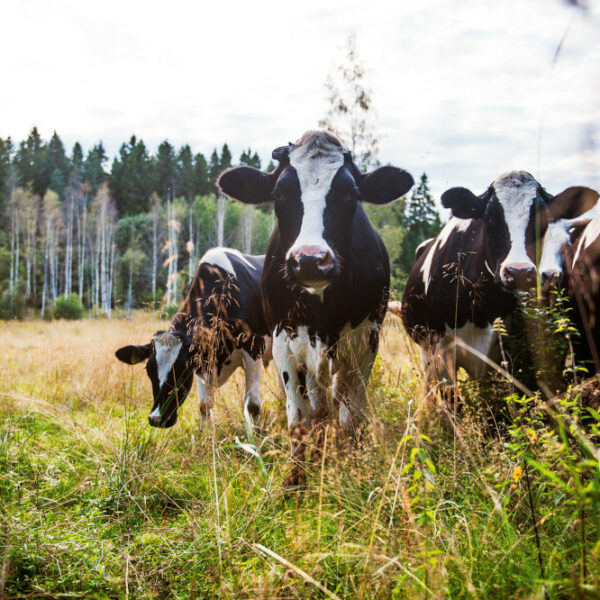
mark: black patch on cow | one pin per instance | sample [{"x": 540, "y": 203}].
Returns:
[
  {"x": 301, "y": 382},
  {"x": 286, "y": 377}
]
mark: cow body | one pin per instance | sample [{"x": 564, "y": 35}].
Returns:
[
  {"x": 326, "y": 276},
  {"x": 470, "y": 274},
  {"x": 218, "y": 328}
]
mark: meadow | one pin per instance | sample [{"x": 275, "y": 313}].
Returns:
[{"x": 94, "y": 503}]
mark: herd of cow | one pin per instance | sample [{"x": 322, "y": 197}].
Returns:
[{"x": 316, "y": 302}]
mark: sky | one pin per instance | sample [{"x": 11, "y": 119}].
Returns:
[{"x": 463, "y": 90}]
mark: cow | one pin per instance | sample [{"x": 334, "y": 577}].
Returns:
[
  {"x": 571, "y": 259},
  {"x": 472, "y": 271},
  {"x": 219, "y": 327},
  {"x": 326, "y": 277}
]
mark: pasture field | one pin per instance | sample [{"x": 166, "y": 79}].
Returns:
[{"x": 94, "y": 503}]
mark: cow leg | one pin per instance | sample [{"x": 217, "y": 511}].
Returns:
[
  {"x": 318, "y": 401},
  {"x": 298, "y": 408},
  {"x": 350, "y": 388},
  {"x": 252, "y": 402},
  {"x": 206, "y": 392}
]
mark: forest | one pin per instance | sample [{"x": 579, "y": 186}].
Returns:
[{"x": 128, "y": 234}]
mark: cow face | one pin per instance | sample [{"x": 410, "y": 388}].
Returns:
[
  {"x": 514, "y": 210},
  {"x": 167, "y": 365},
  {"x": 316, "y": 189},
  {"x": 571, "y": 211}
]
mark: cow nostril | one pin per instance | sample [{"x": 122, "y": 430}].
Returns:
[{"x": 326, "y": 261}]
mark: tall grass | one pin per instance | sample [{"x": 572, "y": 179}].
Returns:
[{"x": 95, "y": 503}]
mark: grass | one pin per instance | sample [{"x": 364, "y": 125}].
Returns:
[{"x": 94, "y": 503}]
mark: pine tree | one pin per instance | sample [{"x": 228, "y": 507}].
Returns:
[
  {"x": 201, "y": 176},
  {"x": 422, "y": 221},
  {"x": 165, "y": 172},
  {"x": 131, "y": 178},
  {"x": 93, "y": 167},
  {"x": 30, "y": 160}
]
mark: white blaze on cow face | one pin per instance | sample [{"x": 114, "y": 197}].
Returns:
[
  {"x": 315, "y": 174},
  {"x": 516, "y": 191},
  {"x": 555, "y": 240},
  {"x": 167, "y": 347}
]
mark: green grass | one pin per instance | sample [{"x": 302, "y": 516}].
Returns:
[{"x": 94, "y": 503}]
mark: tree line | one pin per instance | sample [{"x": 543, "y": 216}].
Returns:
[{"x": 130, "y": 235}]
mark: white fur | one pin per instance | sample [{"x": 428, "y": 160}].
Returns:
[
  {"x": 315, "y": 174},
  {"x": 481, "y": 339},
  {"x": 422, "y": 245},
  {"x": 167, "y": 352},
  {"x": 208, "y": 382},
  {"x": 516, "y": 191},
  {"x": 288, "y": 354},
  {"x": 155, "y": 413},
  {"x": 589, "y": 236},
  {"x": 441, "y": 362},
  {"x": 352, "y": 368},
  {"x": 556, "y": 238},
  {"x": 454, "y": 224},
  {"x": 218, "y": 258}
]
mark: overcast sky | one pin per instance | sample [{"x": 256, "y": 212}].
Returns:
[{"x": 464, "y": 89}]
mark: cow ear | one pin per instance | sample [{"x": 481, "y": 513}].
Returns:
[
  {"x": 463, "y": 203},
  {"x": 572, "y": 202},
  {"x": 282, "y": 153},
  {"x": 132, "y": 355},
  {"x": 246, "y": 184},
  {"x": 384, "y": 185}
]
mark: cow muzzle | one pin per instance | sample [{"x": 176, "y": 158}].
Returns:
[
  {"x": 156, "y": 419},
  {"x": 311, "y": 266},
  {"x": 551, "y": 279},
  {"x": 518, "y": 276}
]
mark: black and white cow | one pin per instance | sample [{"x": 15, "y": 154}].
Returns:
[
  {"x": 469, "y": 274},
  {"x": 571, "y": 259},
  {"x": 326, "y": 276},
  {"x": 219, "y": 327}
]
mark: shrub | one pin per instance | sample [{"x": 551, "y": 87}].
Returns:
[
  {"x": 69, "y": 307},
  {"x": 12, "y": 306}
]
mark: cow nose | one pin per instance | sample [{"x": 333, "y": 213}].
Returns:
[
  {"x": 312, "y": 263},
  {"x": 518, "y": 276},
  {"x": 154, "y": 420},
  {"x": 550, "y": 278}
]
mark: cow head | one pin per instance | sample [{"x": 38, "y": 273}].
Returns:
[
  {"x": 514, "y": 210},
  {"x": 316, "y": 188},
  {"x": 571, "y": 211},
  {"x": 169, "y": 369}
]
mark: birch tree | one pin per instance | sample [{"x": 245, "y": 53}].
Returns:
[
  {"x": 104, "y": 214},
  {"x": 155, "y": 209},
  {"x": 52, "y": 225}
]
